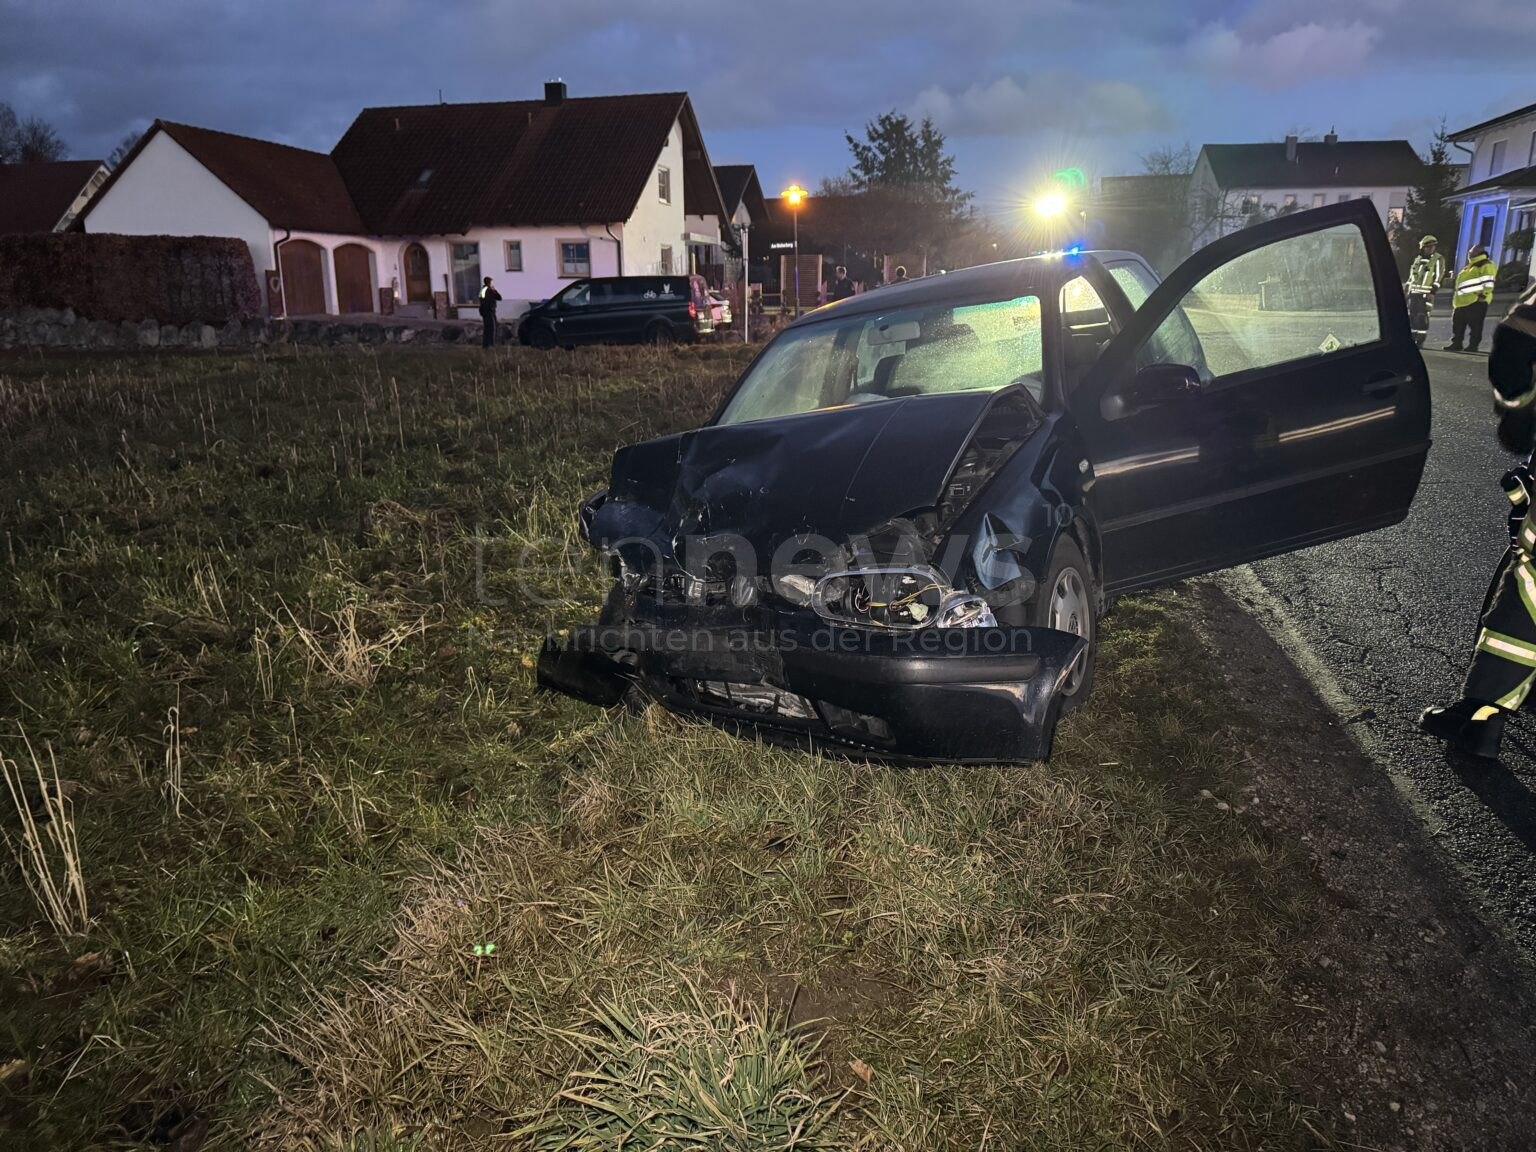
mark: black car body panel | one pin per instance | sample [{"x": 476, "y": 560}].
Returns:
[{"x": 1162, "y": 440}]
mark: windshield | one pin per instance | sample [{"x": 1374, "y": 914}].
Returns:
[{"x": 915, "y": 351}]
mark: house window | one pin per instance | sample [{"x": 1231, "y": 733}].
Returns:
[
  {"x": 1319, "y": 199},
  {"x": 464, "y": 263},
  {"x": 664, "y": 185},
  {"x": 1248, "y": 206},
  {"x": 1290, "y": 200},
  {"x": 1496, "y": 158},
  {"x": 514, "y": 254},
  {"x": 575, "y": 258},
  {"x": 666, "y": 260},
  {"x": 1395, "y": 217},
  {"x": 1345, "y": 197}
]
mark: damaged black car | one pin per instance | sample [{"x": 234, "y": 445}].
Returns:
[{"x": 899, "y": 532}]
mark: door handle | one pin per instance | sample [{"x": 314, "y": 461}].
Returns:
[{"x": 1383, "y": 384}]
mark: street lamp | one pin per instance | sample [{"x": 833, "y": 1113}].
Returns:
[{"x": 796, "y": 195}]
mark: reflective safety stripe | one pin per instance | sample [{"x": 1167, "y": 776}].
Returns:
[
  {"x": 1525, "y": 579},
  {"x": 1507, "y": 646},
  {"x": 1527, "y": 536},
  {"x": 1516, "y": 698},
  {"x": 1486, "y": 712}
]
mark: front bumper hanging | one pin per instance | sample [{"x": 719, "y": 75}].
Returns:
[{"x": 970, "y": 695}]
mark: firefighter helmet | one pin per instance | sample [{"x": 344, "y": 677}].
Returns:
[{"x": 1426, "y": 242}]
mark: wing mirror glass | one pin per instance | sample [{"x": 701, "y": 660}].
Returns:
[{"x": 1151, "y": 387}]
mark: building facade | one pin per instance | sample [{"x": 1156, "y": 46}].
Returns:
[
  {"x": 416, "y": 204},
  {"x": 1498, "y": 202},
  {"x": 1235, "y": 185}
]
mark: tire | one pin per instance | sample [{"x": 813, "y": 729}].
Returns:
[
  {"x": 1067, "y": 600},
  {"x": 659, "y": 335},
  {"x": 542, "y": 337}
]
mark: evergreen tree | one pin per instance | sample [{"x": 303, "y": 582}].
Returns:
[{"x": 1427, "y": 212}]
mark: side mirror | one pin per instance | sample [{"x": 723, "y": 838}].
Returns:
[{"x": 1152, "y": 387}]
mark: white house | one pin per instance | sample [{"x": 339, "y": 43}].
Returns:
[
  {"x": 1499, "y": 198},
  {"x": 1233, "y": 184},
  {"x": 746, "y": 207},
  {"x": 416, "y": 204}
]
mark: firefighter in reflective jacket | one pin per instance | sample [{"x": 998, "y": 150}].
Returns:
[
  {"x": 1474, "y": 292},
  {"x": 1423, "y": 279},
  {"x": 1504, "y": 664}
]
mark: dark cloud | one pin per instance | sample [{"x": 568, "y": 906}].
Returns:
[{"x": 777, "y": 83}]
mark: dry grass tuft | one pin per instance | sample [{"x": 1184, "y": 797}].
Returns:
[{"x": 47, "y": 854}]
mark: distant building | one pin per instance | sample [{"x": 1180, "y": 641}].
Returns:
[
  {"x": 417, "y": 203},
  {"x": 1498, "y": 202},
  {"x": 1148, "y": 214},
  {"x": 46, "y": 196},
  {"x": 1235, "y": 185}
]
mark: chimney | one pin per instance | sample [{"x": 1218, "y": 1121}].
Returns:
[
  {"x": 1331, "y": 138},
  {"x": 554, "y": 93},
  {"x": 1290, "y": 149}
]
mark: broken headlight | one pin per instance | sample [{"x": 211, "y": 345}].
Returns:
[
  {"x": 896, "y": 598},
  {"x": 965, "y": 610}
]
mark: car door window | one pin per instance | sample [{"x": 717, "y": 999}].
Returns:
[
  {"x": 1135, "y": 281},
  {"x": 1301, "y": 297}
]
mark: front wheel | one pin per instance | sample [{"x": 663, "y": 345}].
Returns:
[
  {"x": 1067, "y": 602},
  {"x": 542, "y": 337}
]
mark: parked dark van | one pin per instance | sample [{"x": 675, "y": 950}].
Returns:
[{"x": 620, "y": 310}]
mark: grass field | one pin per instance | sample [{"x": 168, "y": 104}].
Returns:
[{"x": 325, "y": 872}]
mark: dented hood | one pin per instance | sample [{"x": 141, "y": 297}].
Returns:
[{"x": 835, "y": 473}]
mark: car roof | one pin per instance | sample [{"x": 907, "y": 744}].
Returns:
[{"x": 997, "y": 280}]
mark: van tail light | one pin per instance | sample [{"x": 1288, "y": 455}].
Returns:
[{"x": 693, "y": 310}]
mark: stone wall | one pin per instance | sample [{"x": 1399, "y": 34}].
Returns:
[{"x": 61, "y": 328}]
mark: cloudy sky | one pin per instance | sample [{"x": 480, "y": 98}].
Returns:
[{"x": 1021, "y": 86}]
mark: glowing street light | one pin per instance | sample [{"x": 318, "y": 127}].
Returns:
[{"x": 795, "y": 195}]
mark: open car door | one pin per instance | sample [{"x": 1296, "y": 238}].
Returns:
[{"x": 1267, "y": 396}]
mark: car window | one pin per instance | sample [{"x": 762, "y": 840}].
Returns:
[
  {"x": 917, "y": 351},
  {"x": 576, "y": 295},
  {"x": 1305, "y": 296},
  {"x": 1078, "y": 296},
  {"x": 1135, "y": 280}
]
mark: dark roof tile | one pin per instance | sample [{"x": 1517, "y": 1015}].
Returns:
[
  {"x": 35, "y": 196},
  {"x": 445, "y": 168},
  {"x": 1343, "y": 164}
]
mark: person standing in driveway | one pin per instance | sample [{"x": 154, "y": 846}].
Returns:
[
  {"x": 1504, "y": 665},
  {"x": 1474, "y": 292},
  {"x": 841, "y": 287},
  {"x": 489, "y": 298}
]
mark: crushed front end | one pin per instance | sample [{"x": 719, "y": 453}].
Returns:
[{"x": 744, "y": 596}]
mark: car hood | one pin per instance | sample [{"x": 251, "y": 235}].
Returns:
[{"x": 834, "y": 473}]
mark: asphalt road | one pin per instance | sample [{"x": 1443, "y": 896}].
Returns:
[{"x": 1387, "y": 621}]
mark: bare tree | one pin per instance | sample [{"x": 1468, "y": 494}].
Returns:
[
  {"x": 29, "y": 140},
  {"x": 124, "y": 146}
]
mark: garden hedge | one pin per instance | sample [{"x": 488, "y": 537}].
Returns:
[{"x": 102, "y": 276}]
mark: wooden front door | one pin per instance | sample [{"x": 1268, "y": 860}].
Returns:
[
  {"x": 418, "y": 275},
  {"x": 354, "y": 280},
  {"x": 303, "y": 278}
]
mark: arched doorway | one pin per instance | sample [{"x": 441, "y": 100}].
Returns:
[
  {"x": 418, "y": 275},
  {"x": 354, "y": 278},
  {"x": 303, "y": 268}
]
